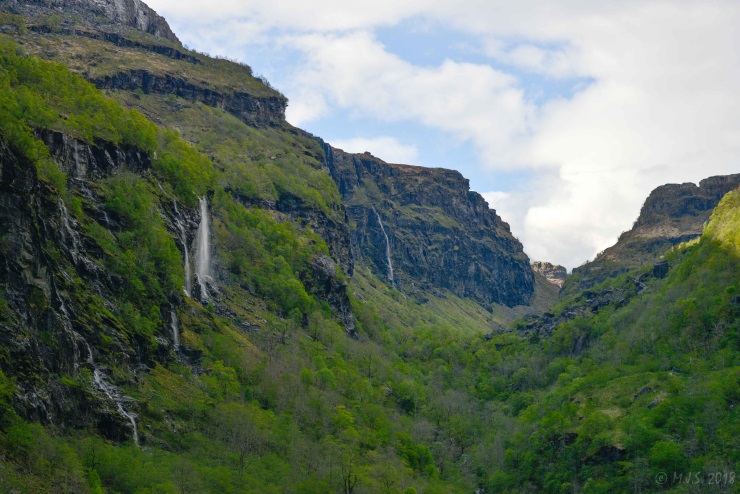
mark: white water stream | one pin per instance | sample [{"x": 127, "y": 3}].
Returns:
[
  {"x": 387, "y": 249},
  {"x": 183, "y": 238},
  {"x": 175, "y": 330},
  {"x": 113, "y": 393},
  {"x": 203, "y": 249}
]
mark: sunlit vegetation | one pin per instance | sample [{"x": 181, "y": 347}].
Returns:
[{"x": 271, "y": 395}]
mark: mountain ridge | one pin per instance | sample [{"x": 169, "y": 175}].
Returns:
[{"x": 670, "y": 215}]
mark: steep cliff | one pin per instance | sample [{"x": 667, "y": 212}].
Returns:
[
  {"x": 672, "y": 214},
  {"x": 422, "y": 228},
  {"x": 112, "y": 13},
  {"x": 62, "y": 299}
]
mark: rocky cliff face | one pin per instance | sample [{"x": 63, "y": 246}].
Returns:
[
  {"x": 247, "y": 108},
  {"x": 672, "y": 214},
  {"x": 45, "y": 260},
  {"x": 129, "y": 13},
  {"x": 422, "y": 228},
  {"x": 553, "y": 273}
]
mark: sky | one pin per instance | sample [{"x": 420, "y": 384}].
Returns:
[{"x": 564, "y": 115}]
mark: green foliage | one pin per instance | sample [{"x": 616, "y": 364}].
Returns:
[
  {"x": 146, "y": 256},
  {"x": 17, "y": 21},
  {"x": 280, "y": 399},
  {"x": 37, "y": 94},
  {"x": 189, "y": 172},
  {"x": 266, "y": 256},
  {"x": 724, "y": 226}
]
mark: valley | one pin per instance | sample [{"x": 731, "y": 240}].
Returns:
[{"x": 197, "y": 296}]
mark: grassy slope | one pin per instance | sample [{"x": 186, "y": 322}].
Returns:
[{"x": 95, "y": 59}]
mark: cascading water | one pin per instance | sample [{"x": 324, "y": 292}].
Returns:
[
  {"x": 387, "y": 249},
  {"x": 77, "y": 158},
  {"x": 183, "y": 238},
  {"x": 110, "y": 391},
  {"x": 175, "y": 331},
  {"x": 68, "y": 233},
  {"x": 203, "y": 249},
  {"x": 113, "y": 394}
]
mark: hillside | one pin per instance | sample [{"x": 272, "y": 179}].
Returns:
[
  {"x": 197, "y": 297},
  {"x": 672, "y": 214}
]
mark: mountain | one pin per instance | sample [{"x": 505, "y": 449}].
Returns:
[
  {"x": 423, "y": 228},
  {"x": 197, "y": 297},
  {"x": 672, "y": 214}
]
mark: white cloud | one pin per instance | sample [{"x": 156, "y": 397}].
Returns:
[
  {"x": 662, "y": 106},
  {"x": 355, "y": 72},
  {"x": 391, "y": 150}
]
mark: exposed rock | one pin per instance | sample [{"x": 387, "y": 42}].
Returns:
[
  {"x": 325, "y": 282},
  {"x": 136, "y": 14},
  {"x": 335, "y": 233},
  {"x": 645, "y": 389},
  {"x": 587, "y": 303},
  {"x": 119, "y": 40},
  {"x": 672, "y": 214},
  {"x": 553, "y": 273},
  {"x": 81, "y": 160},
  {"x": 423, "y": 228},
  {"x": 47, "y": 337},
  {"x": 130, "y": 13},
  {"x": 660, "y": 269},
  {"x": 249, "y": 109}
]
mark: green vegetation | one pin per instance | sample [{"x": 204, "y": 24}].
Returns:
[
  {"x": 269, "y": 394},
  {"x": 96, "y": 59},
  {"x": 38, "y": 94}
]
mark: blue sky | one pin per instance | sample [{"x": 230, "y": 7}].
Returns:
[{"x": 563, "y": 114}]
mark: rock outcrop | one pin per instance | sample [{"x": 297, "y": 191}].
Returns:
[
  {"x": 326, "y": 281},
  {"x": 672, "y": 214},
  {"x": 423, "y": 228},
  {"x": 129, "y": 13},
  {"x": 251, "y": 110},
  {"x": 136, "y": 14},
  {"x": 84, "y": 161},
  {"x": 553, "y": 273}
]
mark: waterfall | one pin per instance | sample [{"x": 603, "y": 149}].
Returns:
[
  {"x": 110, "y": 391},
  {"x": 114, "y": 395},
  {"x": 175, "y": 331},
  {"x": 77, "y": 158},
  {"x": 203, "y": 249},
  {"x": 69, "y": 231},
  {"x": 183, "y": 238},
  {"x": 387, "y": 249}
]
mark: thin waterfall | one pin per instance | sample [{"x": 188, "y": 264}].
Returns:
[
  {"x": 387, "y": 249},
  {"x": 203, "y": 249},
  {"x": 114, "y": 395},
  {"x": 68, "y": 233},
  {"x": 76, "y": 157},
  {"x": 175, "y": 330},
  {"x": 110, "y": 391},
  {"x": 183, "y": 238}
]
